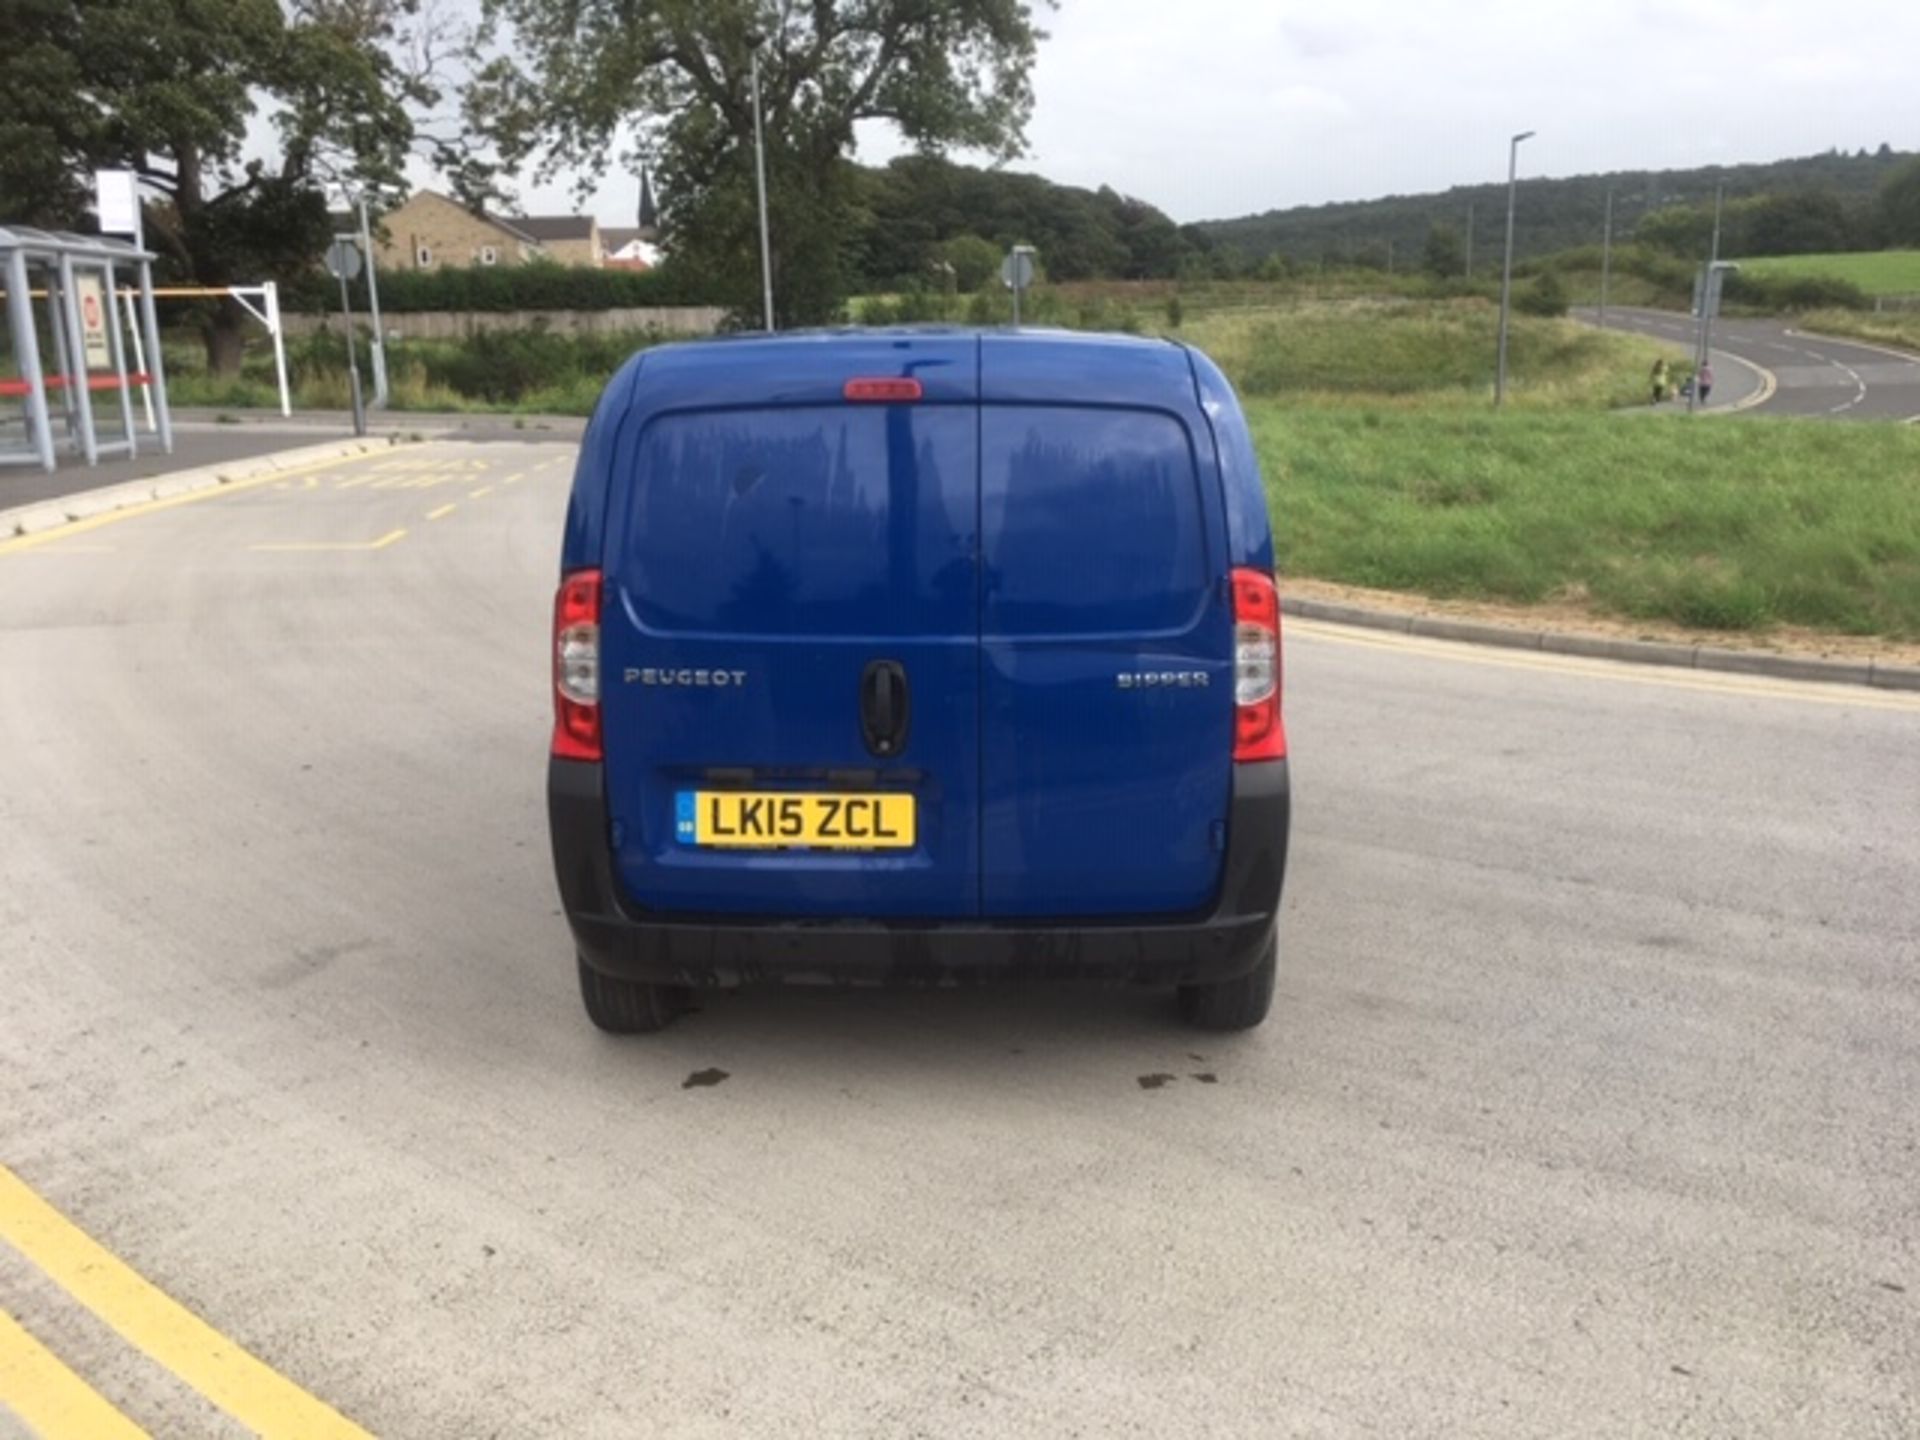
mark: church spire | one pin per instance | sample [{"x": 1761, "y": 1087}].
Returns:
[{"x": 649, "y": 211}]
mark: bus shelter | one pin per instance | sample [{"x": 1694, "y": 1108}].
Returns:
[{"x": 74, "y": 353}]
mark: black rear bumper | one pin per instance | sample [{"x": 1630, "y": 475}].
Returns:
[{"x": 620, "y": 938}]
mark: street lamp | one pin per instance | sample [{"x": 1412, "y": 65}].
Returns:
[
  {"x": 760, "y": 184},
  {"x": 1506, "y": 267}
]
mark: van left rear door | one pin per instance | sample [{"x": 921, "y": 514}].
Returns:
[{"x": 784, "y": 583}]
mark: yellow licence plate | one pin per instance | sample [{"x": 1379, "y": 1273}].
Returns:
[{"x": 771, "y": 820}]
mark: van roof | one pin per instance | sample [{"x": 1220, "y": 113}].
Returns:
[{"x": 954, "y": 364}]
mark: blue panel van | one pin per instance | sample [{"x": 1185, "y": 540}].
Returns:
[{"x": 918, "y": 656}]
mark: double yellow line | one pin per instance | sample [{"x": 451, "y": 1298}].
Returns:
[{"x": 56, "y": 1403}]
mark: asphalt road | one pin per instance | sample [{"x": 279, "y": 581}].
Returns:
[
  {"x": 1587, "y": 1107},
  {"x": 1811, "y": 375}
]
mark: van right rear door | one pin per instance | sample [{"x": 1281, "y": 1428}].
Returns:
[{"x": 1106, "y": 682}]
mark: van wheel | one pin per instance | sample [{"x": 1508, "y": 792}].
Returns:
[
  {"x": 628, "y": 1007},
  {"x": 1237, "y": 1004}
]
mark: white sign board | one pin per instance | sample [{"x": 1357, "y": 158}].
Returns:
[
  {"x": 91, "y": 295},
  {"x": 118, "y": 198}
]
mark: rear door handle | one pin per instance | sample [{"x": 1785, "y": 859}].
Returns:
[{"x": 883, "y": 707}]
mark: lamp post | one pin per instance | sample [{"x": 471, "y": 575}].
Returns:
[
  {"x": 760, "y": 184},
  {"x": 1709, "y": 296},
  {"x": 1606, "y": 258},
  {"x": 1506, "y": 266}
]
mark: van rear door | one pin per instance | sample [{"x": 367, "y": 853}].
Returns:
[
  {"x": 1106, "y": 632},
  {"x": 790, "y": 630}
]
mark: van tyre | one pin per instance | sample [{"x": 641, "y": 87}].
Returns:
[
  {"x": 628, "y": 1007},
  {"x": 1237, "y": 1004}
]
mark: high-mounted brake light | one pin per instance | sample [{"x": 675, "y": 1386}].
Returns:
[
  {"x": 881, "y": 388},
  {"x": 1258, "y": 733},
  {"x": 576, "y": 667}
]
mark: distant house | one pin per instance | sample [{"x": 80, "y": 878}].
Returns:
[
  {"x": 629, "y": 248},
  {"x": 431, "y": 231},
  {"x": 569, "y": 239}
]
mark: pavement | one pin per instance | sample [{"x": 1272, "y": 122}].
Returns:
[
  {"x": 1789, "y": 371},
  {"x": 205, "y": 437},
  {"x": 1586, "y": 1106}
]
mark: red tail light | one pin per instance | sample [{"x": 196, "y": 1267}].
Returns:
[
  {"x": 1257, "y": 730},
  {"x": 576, "y": 667},
  {"x": 881, "y": 388}
]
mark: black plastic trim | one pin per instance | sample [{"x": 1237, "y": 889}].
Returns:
[{"x": 617, "y": 937}]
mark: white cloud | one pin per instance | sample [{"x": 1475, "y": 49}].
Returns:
[{"x": 1211, "y": 108}]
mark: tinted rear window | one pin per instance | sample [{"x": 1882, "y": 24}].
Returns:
[
  {"x": 836, "y": 520},
  {"x": 1091, "y": 521}
]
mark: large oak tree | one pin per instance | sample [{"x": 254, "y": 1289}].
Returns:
[
  {"x": 565, "y": 83},
  {"x": 168, "y": 87}
]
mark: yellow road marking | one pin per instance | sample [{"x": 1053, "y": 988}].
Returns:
[
  {"x": 392, "y": 537},
  {"x": 1813, "y": 691},
  {"x": 358, "y": 480},
  {"x": 444, "y": 510},
  {"x": 516, "y": 476},
  {"x": 1769, "y": 382},
  {"x": 168, "y": 1333},
  {"x": 50, "y": 1399},
  {"x": 482, "y": 491},
  {"x": 147, "y": 507}
]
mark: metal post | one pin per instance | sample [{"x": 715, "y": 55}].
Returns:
[
  {"x": 353, "y": 359},
  {"x": 760, "y": 183},
  {"x": 119, "y": 349},
  {"x": 139, "y": 354},
  {"x": 270, "y": 291},
  {"x": 57, "y": 327},
  {"x": 1506, "y": 267},
  {"x": 157, "y": 369},
  {"x": 1706, "y": 300},
  {"x": 69, "y": 309},
  {"x": 1606, "y": 258},
  {"x": 380, "y": 392},
  {"x": 26, "y": 349}
]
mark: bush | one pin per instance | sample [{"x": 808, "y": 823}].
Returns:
[
  {"x": 1545, "y": 297},
  {"x": 1794, "y": 292},
  {"x": 539, "y": 286}
]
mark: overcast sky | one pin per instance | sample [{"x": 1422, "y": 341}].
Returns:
[{"x": 1215, "y": 108}]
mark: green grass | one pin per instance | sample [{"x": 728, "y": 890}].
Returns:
[
  {"x": 1899, "y": 329},
  {"x": 1422, "y": 354},
  {"x": 1878, "y": 272},
  {"x": 1728, "y": 525}
]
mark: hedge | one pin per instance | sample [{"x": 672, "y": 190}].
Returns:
[{"x": 542, "y": 285}]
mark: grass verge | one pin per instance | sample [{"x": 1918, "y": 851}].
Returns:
[
  {"x": 1731, "y": 526},
  {"x": 1877, "y": 272},
  {"x": 1900, "y": 330}
]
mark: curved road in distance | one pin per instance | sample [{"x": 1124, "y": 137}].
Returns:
[
  {"x": 1813, "y": 375},
  {"x": 1587, "y": 1105}
]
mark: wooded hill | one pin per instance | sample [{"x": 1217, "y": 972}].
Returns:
[{"x": 1560, "y": 214}]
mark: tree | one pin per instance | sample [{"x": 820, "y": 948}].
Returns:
[
  {"x": 1443, "y": 257},
  {"x": 1899, "y": 204},
  {"x": 974, "y": 261},
  {"x": 570, "y": 78},
  {"x": 167, "y": 87}
]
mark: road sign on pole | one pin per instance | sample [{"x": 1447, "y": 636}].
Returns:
[
  {"x": 1016, "y": 273},
  {"x": 343, "y": 258},
  {"x": 343, "y": 263}
]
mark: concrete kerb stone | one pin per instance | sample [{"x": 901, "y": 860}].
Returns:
[
  {"x": 49, "y": 514},
  {"x": 1602, "y": 647}
]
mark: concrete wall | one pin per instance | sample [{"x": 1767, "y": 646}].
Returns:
[{"x": 453, "y": 324}]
